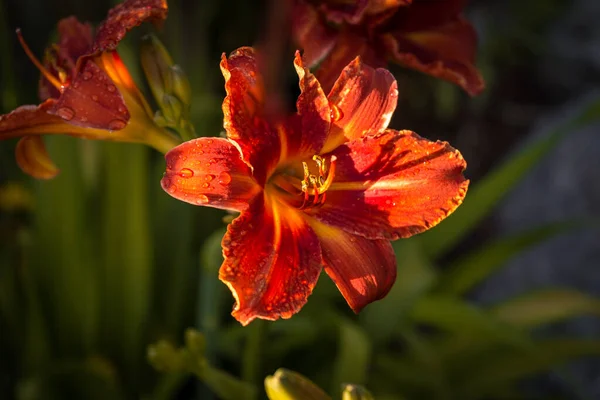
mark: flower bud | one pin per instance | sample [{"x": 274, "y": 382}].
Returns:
[{"x": 289, "y": 385}]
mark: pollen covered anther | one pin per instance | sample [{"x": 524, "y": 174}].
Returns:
[{"x": 313, "y": 185}]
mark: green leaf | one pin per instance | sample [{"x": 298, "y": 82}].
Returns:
[
  {"x": 506, "y": 367},
  {"x": 472, "y": 268},
  {"x": 353, "y": 357},
  {"x": 460, "y": 318},
  {"x": 546, "y": 306},
  {"x": 127, "y": 253},
  {"x": 486, "y": 194}
]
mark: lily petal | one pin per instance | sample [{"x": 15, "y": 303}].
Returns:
[
  {"x": 381, "y": 6},
  {"x": 92, "y": 101},
  {"x": 312, "y": 121},
  {"x": 393, "y": 185},
  {"x": 311, "y": 33},
  {"x": 446, "y": 52},
  {"x": 272, "y": 261},
  {"x": 124, "y": 17},
  {"x": 243, "y": 110},
  {"x": 363, "y": 270},
  {"x": 75, "y": 40},
  {"x": 33, "y": 120},
  {"x": 365, "y": 99},
  {"x": 33, "y": 159},
  {"x": 346, "y": 12},
  {"x": 209, "y": 172}
]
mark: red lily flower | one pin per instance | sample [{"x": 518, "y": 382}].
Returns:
[
  {"x": 87, "y": 90},
  {"x": 429, "y": 36},
  {"x": 327, "y": 187}
]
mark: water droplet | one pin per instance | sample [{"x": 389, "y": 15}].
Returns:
[
  {"x": 201, "y": 199},
  {"x": 206, "y": 185},
  {"x": 83, "y": 119},
  {"x": 76, "y": 85},
  {"x": 224, "y": 178},
  {"x": 209, "y": 141},
  {"x": 172, "y": 189},
  {"x": 116, "y": 124},
  {"x": 94, "y": 97},
  {"x": 209, "y": 177},
  {"x": 87, "y": 75},
  {"x": 111, "y": 88},
  {"x": 122, "y": 109},
  {"x": 186, "y": 173},
  {"x": 65, "y": 113},
  {"x": 336, "y": 114}
]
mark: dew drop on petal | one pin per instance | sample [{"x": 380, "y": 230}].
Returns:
[
  {"x": 172, "y": 189},
  {"x": 65, "y": 113},
  {"x": 224, "y": 178},
  {"x": 94, "y": 97},
  {"x": 87, "y": 75},
  {"x": 209, "y": 177},
  {"x": 336, "y": 114},
  {"x": 186, "y": 173},
  {"x": 201, "y": 199},
  {"x": 206, "y": 185},
  {"x": 116, "y": 124},
  {"x": 111, "y": 88}
]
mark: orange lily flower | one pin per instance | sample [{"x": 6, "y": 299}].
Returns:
[
  {"x": 327, "y": 187},
  {"x": 429, "y": 36},
  {"x": 86, "y": 90}
]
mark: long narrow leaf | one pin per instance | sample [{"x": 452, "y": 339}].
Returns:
[
  {"x": 486, "y": 194},
  {"x": 469, "y": 270},
  {"x": 546, "y": 306}
]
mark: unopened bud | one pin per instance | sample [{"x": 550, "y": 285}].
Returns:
[{"x": 288, "y": 385}]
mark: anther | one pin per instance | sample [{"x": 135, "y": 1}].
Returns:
[{"x": 316, "y": 186}]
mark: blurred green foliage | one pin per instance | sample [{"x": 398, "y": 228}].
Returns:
[{"x": 101, "y": 273}]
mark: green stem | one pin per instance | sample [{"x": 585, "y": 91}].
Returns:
[
  {"x": 161, "y": 140},
  {"x": 251, "y": 361}
]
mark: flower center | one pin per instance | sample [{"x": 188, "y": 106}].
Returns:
[{"x": 316, "y": 185}]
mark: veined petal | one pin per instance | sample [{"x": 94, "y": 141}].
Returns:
[
  {"x": 243, "y": 110},
  {"x": 365, "y": 98},
  {"x": 33, "y": 158},
  {"x": 446, "y": 52},
  {"x": 124, "y": 17},
  {"x": 272, "y": 261},
  {"x": 311, "y": 33},
  {"x": 209, "y": 172},
  {"x": 393, "y": 185},
  {"x": 33, "y": 120},
  {"x": 363, "y": 270},
  {"x": 92, "y": 101},
  {"x": 310, "y": 126}
]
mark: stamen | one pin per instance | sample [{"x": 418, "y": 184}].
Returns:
[
  {"x": 51, "y": 78},
  {"x": 316, "y": 186}
]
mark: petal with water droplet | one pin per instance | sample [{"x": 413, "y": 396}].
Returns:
[
  {"x": 191, "y": 171},
  {"x": 91, "y": 98}
]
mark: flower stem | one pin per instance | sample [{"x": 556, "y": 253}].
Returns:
[
  {"x": 161, "y": 140},
  {"x": 251, "y": 362}
]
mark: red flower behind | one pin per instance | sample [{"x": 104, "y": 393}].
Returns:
[
  {"x": 429, "y": 36},
  {"x": 87, "y": 90},
  {"x": 327, "y": 187}
]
